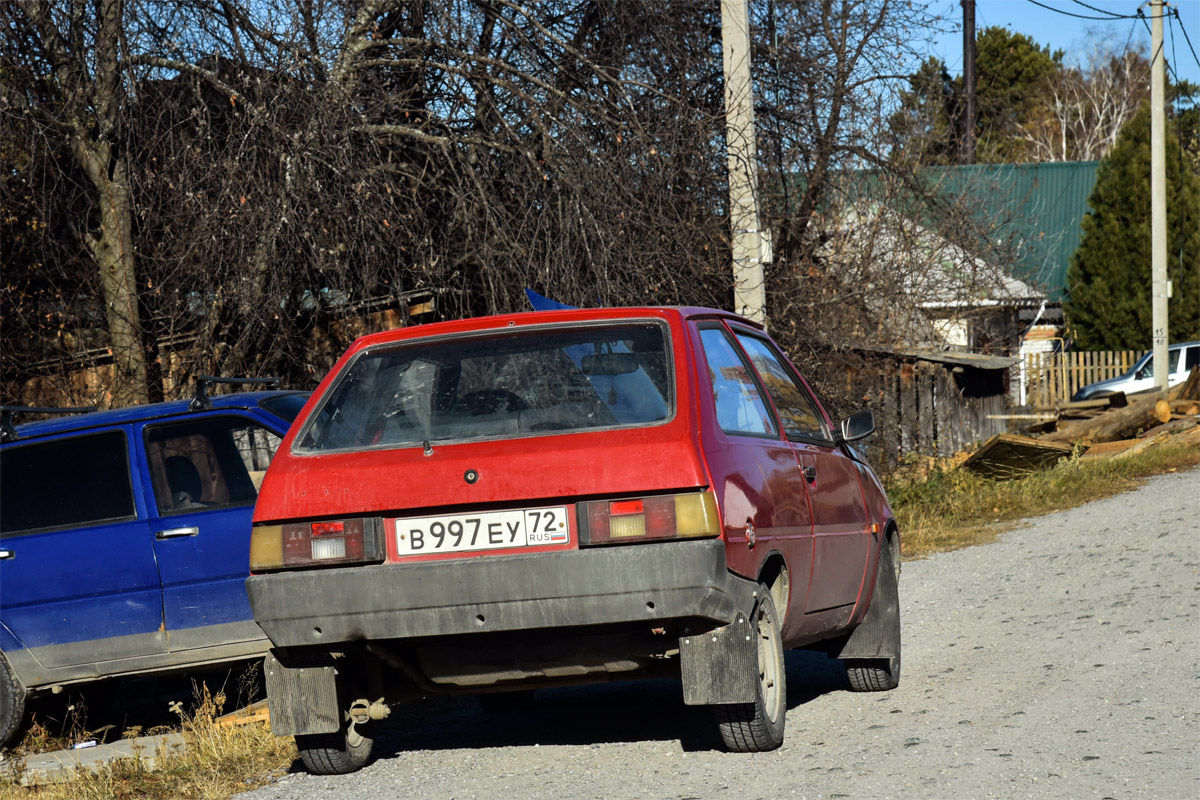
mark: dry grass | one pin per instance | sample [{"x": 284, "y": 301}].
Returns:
[
  {"x": 946, "y": 508},
  {"x": 219, "y": 761}
]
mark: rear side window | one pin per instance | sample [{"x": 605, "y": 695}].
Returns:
[
  {"x": 544, "y": 381},
  {"x": 799, "y": 415},
  {"x": 739, "y": 404},
  {"x": 65, "y": 483},
  {"x": 1192, "y": 360},
  {"x": 209, "y": 463}
]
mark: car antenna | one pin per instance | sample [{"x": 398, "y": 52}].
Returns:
[
  {"x": 201, "y": 401},
  {"x": 8, "y": 431}
]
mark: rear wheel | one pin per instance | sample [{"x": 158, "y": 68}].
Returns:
[
  {"x": 335, "y": 753},
  {"x": 881, "y": 674},
  {"x": 12, "y": 702},
  {"x": 757, "y": 727}
]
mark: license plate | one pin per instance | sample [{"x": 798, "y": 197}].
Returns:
[{"x": 490, "y": 530}]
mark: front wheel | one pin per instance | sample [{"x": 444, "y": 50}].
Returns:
[
  {"x": 335, "y": 753},
  {"x": 757, "y": 727}
]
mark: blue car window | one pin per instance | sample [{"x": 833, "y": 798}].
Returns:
[
  {"x": 210, "y": 463},
  {"x": 285, "y": 406},
  {"x": 65, "y": 483}
]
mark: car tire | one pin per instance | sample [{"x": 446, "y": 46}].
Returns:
[
  {"x": 757, "y": 727},
  {"x": 881, "y": 674},
  {"x": 12, "y": 702},
  {"x": 335, "y": 753}
]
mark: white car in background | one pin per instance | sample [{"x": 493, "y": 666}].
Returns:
[{"x": 1181, "y": 358}]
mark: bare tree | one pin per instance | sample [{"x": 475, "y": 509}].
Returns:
[
  {"x": 292, "y": 165},
  {"x": 67, "y": 77},
  {"x": 1084, "y": 108}
]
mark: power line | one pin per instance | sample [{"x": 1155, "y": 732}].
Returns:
[
  {"x": 1187, "y": 38},
  {"x": 1111, "y": 15},
  {"x": 1073, "y": 14},
  {"x": 1161, "y": 52}
]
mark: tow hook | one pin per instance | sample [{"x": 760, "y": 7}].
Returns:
[{"x": 363, "y": 711}]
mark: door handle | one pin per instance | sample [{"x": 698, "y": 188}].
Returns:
[
  {"x": 810, "y": 472},
  {"x": 6, "y": 554},
  {"x": 177, "y": 533}
]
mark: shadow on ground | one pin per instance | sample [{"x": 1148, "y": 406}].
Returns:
[{"x": 620, "y": 712}]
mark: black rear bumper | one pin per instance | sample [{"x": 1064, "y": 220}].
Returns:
[{"x": 620, "y": 584}]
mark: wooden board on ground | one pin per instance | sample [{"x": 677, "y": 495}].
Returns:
[
  {"x": 255, "y": 712},
  {"x": 1007, "y": 455},
  {"x": 1117, "y": 449},
  {"x": 1175, "y": 426}
]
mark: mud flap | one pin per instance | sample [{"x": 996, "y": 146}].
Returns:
[
  {"x": 878, "y": 635},
  {"x": 720, "y": 666},
  {"x": 302, "y": 695}
]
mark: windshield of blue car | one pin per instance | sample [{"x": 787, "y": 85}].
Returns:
[{"x": 508, "y": 384}]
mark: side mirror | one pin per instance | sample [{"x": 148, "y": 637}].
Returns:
[{"x": 858, "y": 425}]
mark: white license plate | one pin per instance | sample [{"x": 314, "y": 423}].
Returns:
[{"x": 490, "y": 530}]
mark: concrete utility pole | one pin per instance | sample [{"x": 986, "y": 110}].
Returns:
[
  {"x": 967, "y": 155},
  {"x": 1159, "y": 287},
  {"x": 749, "y": 287}
]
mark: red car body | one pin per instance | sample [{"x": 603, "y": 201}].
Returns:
[{"x": 675, "y": 414}]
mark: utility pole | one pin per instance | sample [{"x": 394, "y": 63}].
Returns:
[
  {"x": 967, "y": 155},
  {"x": 749, "y": 288},
  {"x": 1159, "y": 287}
]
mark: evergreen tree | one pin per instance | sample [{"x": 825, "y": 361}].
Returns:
[
  {"x": 1012, "y": 69},
  {"x": 1108, "y": 306}
]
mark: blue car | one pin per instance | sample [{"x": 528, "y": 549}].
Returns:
[{"x": 124, "y": 539}]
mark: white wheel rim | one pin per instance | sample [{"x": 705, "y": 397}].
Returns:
[{"x": 768, "y": 667}]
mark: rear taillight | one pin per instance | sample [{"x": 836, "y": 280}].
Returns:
[
  {"x": 674, "y": 516},
  {"x": 316, "y": 544}
]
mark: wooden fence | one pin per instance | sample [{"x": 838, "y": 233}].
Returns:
[
  {"x": 1052, "y": 378},
  {"x": 919, "y": 408}
]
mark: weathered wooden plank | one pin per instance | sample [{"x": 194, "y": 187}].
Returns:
[{"x": 1008, "y": 456}]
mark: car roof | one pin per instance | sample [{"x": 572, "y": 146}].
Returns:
[
  {"x": 118, "y": 416},
  {"x": 500, "y": 322}
]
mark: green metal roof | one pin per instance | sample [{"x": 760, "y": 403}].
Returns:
[{"x": 1036, "y": 208}]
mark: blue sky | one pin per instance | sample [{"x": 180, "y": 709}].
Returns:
[{"x": 1067, "y": 33}]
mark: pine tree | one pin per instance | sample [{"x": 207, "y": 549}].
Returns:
[
  {"x": 1012, "y": 69},
  {"x": 1108, "y": 306}
]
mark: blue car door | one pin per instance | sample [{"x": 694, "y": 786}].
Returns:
[
  {"x": 204, "y": 473},
  {"x": 78, "y": 581}
]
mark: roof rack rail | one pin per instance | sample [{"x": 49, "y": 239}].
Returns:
[
  {"x": 8, "y": 430},
  {"x": 200, "y": 399}
]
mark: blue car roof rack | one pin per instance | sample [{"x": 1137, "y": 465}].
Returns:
[
  {"x": 200, "y": 399},
  {"x": 8, "y": 430}
]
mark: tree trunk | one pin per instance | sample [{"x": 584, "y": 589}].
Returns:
[{"x": 112, "y": 248}]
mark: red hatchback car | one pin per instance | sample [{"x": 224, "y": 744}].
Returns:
[{"x": 535, "y": 500}]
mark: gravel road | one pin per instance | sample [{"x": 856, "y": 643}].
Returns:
[{"x": 1062, "y": 661}]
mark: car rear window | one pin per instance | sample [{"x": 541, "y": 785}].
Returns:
[
  {"x": 65, "y": 483},
  {"x": 527, "y": 383}
]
